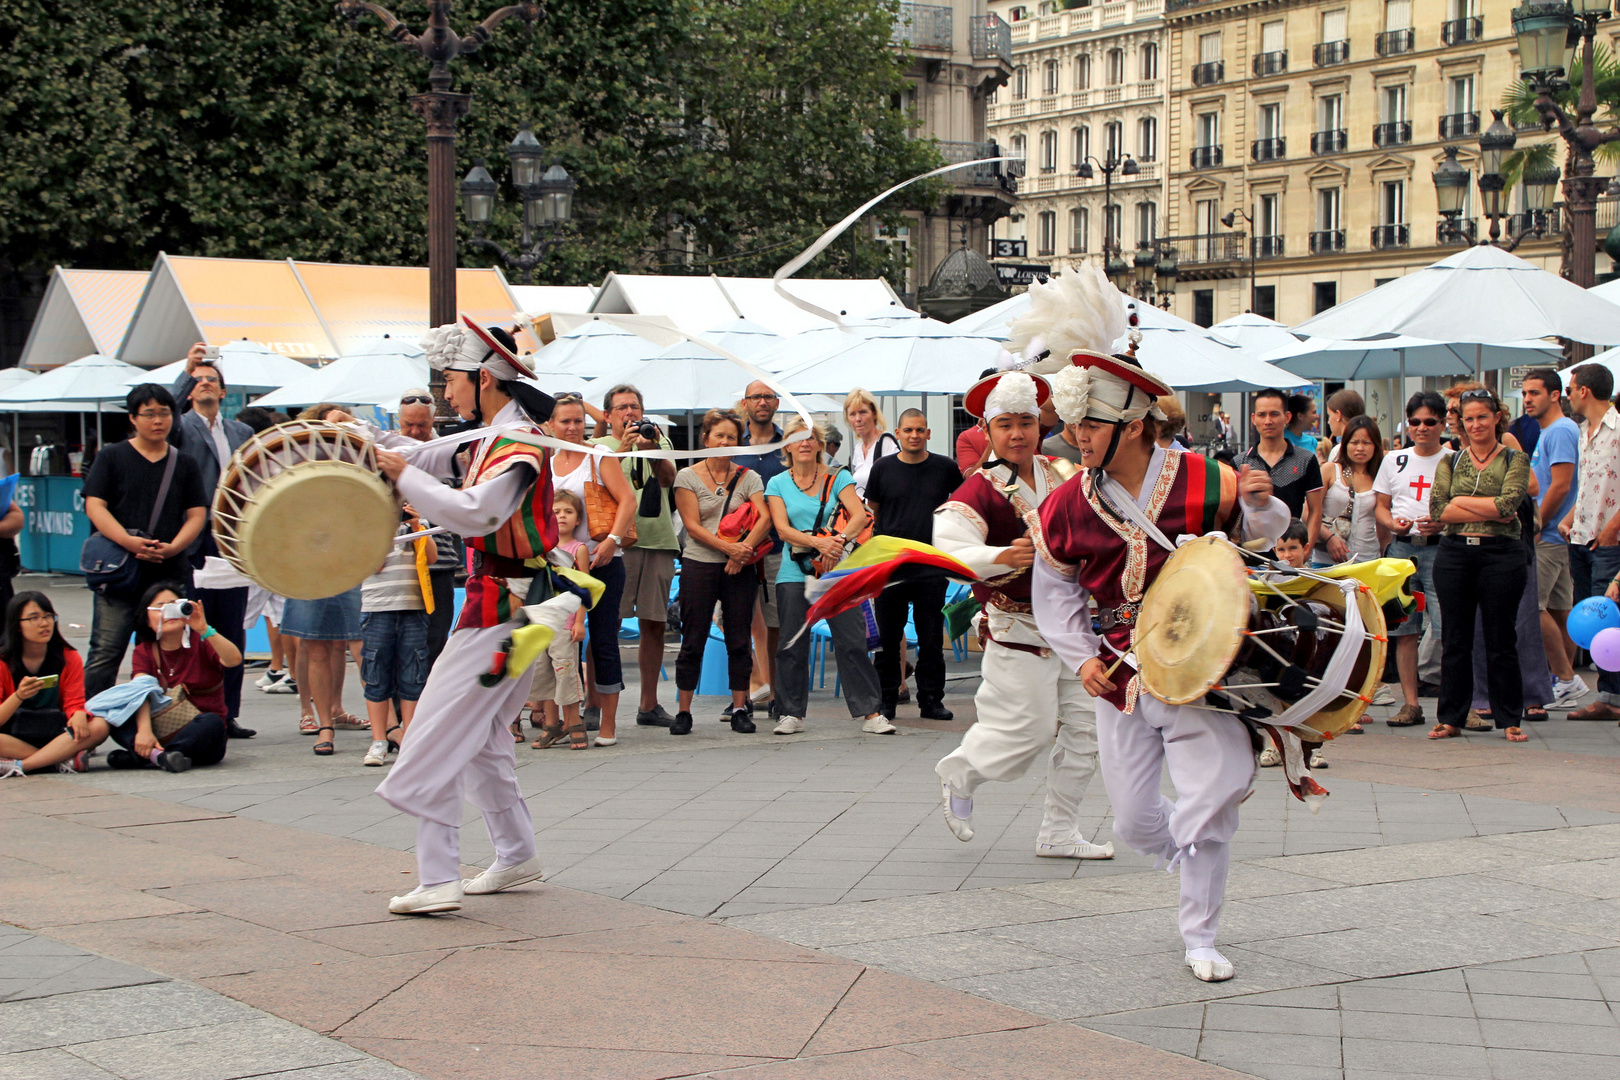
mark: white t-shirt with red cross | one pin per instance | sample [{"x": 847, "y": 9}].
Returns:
[{"x": 1408, "y": 478}]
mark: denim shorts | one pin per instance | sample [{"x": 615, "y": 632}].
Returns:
[
  {"x": 333, "y": 618},
  {"x": 394, "y": 654},
  {"x": 1422, "y": 581}
]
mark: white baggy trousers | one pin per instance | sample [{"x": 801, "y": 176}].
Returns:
[
  {"x": 1212, "y": 765},
  {"x": 1029, "y": 704},
  {"x": 459, "y": 748}
]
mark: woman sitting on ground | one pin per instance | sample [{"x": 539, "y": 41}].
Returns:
[
  {"x": 178, "y": 651},
  {"x": 42, "y": 717}
]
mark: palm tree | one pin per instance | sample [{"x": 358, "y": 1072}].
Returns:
[{"x": 1519, "y": 99}]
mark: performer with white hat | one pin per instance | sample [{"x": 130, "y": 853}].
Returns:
[
  {"x": 1104, "y": 536},
  {"x": 1028, "y": 701},
  {"x": 459, "y": 746}
]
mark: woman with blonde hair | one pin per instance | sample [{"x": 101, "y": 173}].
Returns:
[
  {"x": 870, "y": 438},
  {"x": 803, "y": 502}
]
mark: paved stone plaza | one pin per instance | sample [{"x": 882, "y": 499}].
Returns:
[{"x": 795, "y": 907}]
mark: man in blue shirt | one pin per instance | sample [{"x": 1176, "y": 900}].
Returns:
[
  {"x": 1553, "y": 462},
  {"x": 758, "y": 407}
]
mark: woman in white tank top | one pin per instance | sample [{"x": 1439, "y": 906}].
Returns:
[{"x": 1350, "y": 531}]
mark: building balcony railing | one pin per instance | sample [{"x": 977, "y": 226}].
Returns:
[
  {"x": 1391, "y": 236},
  {"x": 1394, "y": 133},
  {"x": 1325, "y": 241},
  {"x": 1328, "y": 53},
  {"x": 923, "y": 26},
  {"x": 1206, "y": 247},
  {"x": 1267, "y": 149},
  {"x": 1271, "y": 63},
  {"x": 1206, "y": 157},
  {"x": 1209, "y": 74},
  {"x": 1462, "y": 232},
  {"x": 1462, "y": 31},
  {"x": 1329, "y": 142},
  {"x": 1394, "y": 42},
  {"x": 1266, "y": 247},
  {"x": 997, "y": 174},
  {"x": 989, "y": 38},
  {"x": 1547, "y": 221},
  {"x": 1459, "y": 125}
]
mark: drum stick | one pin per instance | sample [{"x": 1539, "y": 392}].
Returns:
[
  {"x": 1109, "y": 674},
  {"x": 436, "y": 530}
]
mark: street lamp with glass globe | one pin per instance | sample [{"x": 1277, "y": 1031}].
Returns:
[{"x": 548, "y": 204}]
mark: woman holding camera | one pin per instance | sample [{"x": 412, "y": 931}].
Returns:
[
  {"x": 175, "y": 645},
  {"x": 715, "y": 569},
  {"x": 803, "y": 502},
  {"x": 571, "y": 470},
  {"x": 42, "y": 716}
]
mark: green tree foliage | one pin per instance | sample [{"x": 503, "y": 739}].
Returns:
[
  {"x": 1519, "y": 103},
  {"x": 705, "y": 135}
]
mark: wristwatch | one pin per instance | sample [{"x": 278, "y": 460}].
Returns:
[{"x": 616, "y": 541}]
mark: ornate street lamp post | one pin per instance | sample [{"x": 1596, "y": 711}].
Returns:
[
  {"x": 1156, "y": 270},
  {"x": 1230, "y": 219},
  {"x": 1114, "y": 264},
  {"x": 548, "y": 204},
  {"x": 440, "y": 109},
  {"x": 1548, "y": 32},
  {"x": 1451, "y": 190}
]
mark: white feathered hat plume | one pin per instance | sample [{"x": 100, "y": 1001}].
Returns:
[{"x": 1078, "y": 309}]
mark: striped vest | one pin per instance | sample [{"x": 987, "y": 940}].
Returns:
[{"x": 528, "y": 534}]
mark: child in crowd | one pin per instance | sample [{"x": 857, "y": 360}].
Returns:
[
  {"x": 43, "y": 721},
  {"x": 1294, "y": 549},
  {"x": 394, "y": 606},
  {"x": 556, "y": 676}
]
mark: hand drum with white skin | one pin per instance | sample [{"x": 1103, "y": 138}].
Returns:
[{"x": 302, "y": 511}]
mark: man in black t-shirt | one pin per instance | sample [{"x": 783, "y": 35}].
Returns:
[
  {"x": 1296, "y": 476},
  {"x": 903, "y": 491},
  {"x": 119, "y": 495}
]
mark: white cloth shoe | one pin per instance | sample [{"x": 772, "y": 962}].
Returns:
[
  {"x": 1566, "y": 694},
  {"x": 266, "y": 679},
  {"x": 1318, "y": 761},
  {"x": 762, "y": 696},
  {"x": 789, "y": 725},
  {"x": 282, "y": 684},
  {"x": 377, "y": 754},
  {"x": 958, "y": 812},
  {"x": 1383, "y": 696},
  {"x": 1269, "y": 758},
  {"x": 428, "y": 901},
  {"x": 1079, "y": 849},
  {"x": 878, "y": 724},
  {"x": 493, "y": 881},
  {"x": 1208, "y": 965}
]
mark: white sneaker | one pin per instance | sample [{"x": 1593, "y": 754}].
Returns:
[
  {"x": 1209, "y": 965},
  {"x": 11, "y": 767},
  {"x": 378, "y": 754},
  {"x": 1080, "y": 849},
  {"x": 762, "y": 696},
  {"x": 283, "y": 684},
  {"x": 958, "y": 812},
  {"x": 421, "y": 901},
  {"x": 267, "y": 678},
  {"x": 878, "y": 724},
  {"x": 1269, "y": 758},
  {"x": 493, "y": 881},
  {"x": 1566, "y": 694},
  {"x": 1318, "y": 761},
  {"x": 1383, "y": 695},
  {"x": 789, "y": 725}
]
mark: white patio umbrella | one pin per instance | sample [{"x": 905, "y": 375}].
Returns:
[
  {"x": 367, "y": 378},
  {"x": 908, "y": 356},
  {"x": 1195, "y": 362},
  {"x": 1254, "y": 334},
  {"x": 89, "y": 378},
  {"x": 685, "y": 377},
  {"x": 247, "y": 366},
  {"x": 1399, "y": 357},
  {"x": 744, "y": 337},
  {"x": 592, "y": 349},
  {"x": 996, "y": 319},
  {"x": 1609, "y": 358},
  {"x": 1480, "y": 295}
]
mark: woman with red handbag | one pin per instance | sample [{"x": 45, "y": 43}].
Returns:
[{"x": 723, "y": 508}]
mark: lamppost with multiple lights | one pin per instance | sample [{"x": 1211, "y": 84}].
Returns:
[
  {"x": 1114, "y": 265},
  {"x": 440, "y": 109},
  {"x": 1451, "y": 191},
  {"x": 1156, "y": 269},
  {"x": 548, "y": 204},
  {"x": 1229, "y": 220}
]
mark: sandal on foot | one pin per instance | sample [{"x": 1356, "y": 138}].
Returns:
[
  {"x": 349, "y": 722},
  {"x": 1444, "y": 731},
  {"x": 1535, "y": 715},
  {"x": 1516, "y": 735},
  {"x": 326, "y": 747},
  {"x": 1480, "y": 720},
  {"x": 1355, "y": 729},
  {"x": 393, "y": 743},
  {"x": 548, "y": 737},
  {"x": 517, "y": 730},
  {"x": 578, "y": 737},
  {"x": 307, "y": 725}
]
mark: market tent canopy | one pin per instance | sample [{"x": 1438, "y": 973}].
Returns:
[
  {"x": 692, "y": 302},
  {"x": 593, "y": 348},
  {"x": 302, "y": 310},
  {"x": 540, "y": 299},
  {"x": 83, "y": 312},
  {"x": 1481, "y": 294},
  {"x": 247, "y": 366},
  {"x": 997, "y": 319},
  {"x": 89, "y": 378},
  {"x": 758, "y": 300}
]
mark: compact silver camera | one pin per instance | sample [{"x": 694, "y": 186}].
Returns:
[{"x": 178, "y": 609}]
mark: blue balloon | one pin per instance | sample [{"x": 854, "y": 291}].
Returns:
[{"x": 1590, "y": 616}]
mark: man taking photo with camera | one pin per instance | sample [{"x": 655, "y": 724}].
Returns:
[{"x": 649, "y": 563}]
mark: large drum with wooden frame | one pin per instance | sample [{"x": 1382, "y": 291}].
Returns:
[
  {"x": 1211, "y": 632},
  {"x": 302, "y": 511}
]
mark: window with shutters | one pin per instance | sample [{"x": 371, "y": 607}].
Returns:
[
  {"x": 1046, "y": 233},
  {"x": 1150, "y": 62},
  {"x": 1049, "y": 151},
  {"x": 1114, "y": 133},
  {"x": 1081, "y": 137},
  {"x": 1147, "y": 139},
  {"x": 1147, "y": 223},
  {"x": 1049, "y": 83},
  {"x": 1082, "y": 72},
  {"x": 1079, "y": 230}
]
